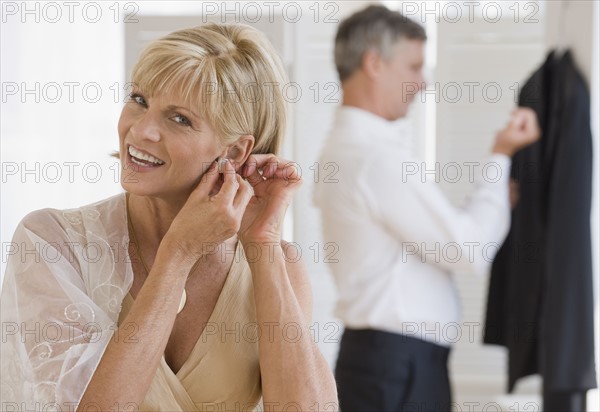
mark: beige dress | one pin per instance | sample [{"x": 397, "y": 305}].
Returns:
[{"x": 222, "y": 372}]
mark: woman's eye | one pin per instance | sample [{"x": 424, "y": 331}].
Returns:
[
  {"x": 134, "y": 97},
  {"x": 182, "y": 120}
]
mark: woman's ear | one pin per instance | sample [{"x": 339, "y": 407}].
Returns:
[{"x": 238, "y": 152}]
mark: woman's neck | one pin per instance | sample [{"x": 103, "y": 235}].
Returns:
[{"x": 151, "y": 217}]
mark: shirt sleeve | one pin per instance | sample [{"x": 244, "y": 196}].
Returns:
[
  {"x": 55, "y": 316},
  {"x": 428, "y": 226}
]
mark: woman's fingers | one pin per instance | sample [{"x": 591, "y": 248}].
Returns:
[
  {"x": 290, "y": 172},
  {"x": 260, "y": 167},
  {"x": 230, "y": 183},
  {"x": 234, "y": 190},
  {"x": 257, "y": 169},
  {"x": 208, "y": 180},
  {"x": 259, "y": 162},
  {"x": 254, "y": 178},
  {"x": 243, "y": 195}
]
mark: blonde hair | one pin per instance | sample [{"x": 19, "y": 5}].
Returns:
[{"x": 229, "y": 73}]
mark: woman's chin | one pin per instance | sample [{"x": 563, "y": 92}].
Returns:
[
  {"x": 140, "y": 189},
  {"x": 167, "y": 193}
]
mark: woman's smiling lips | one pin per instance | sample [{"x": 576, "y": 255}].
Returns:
[{"x": 142, "y": 160}]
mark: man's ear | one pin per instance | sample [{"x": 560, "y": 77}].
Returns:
[
  {"x": 371, "y": 63},
  {"x": 239, "y": 151}
]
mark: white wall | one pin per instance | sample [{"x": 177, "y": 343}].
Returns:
[{"x": 55, "y": 140}]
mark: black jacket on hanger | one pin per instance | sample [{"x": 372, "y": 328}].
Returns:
[{"x": 540, "y": 302}]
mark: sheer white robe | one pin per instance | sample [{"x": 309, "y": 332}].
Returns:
[{"x": 67, "y": 275}]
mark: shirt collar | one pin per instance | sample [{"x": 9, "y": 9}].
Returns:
[{"x": 366, "y": 126}]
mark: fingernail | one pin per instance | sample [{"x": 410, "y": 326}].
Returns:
[{"x": 222, "y": 163}]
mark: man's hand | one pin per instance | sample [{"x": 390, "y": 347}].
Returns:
[{"x": 521, "y": 131}]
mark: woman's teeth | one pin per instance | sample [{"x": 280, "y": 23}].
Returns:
[{"x": 137, "y": 157}]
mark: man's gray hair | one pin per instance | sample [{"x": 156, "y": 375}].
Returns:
[{"x": 374, "y": 28}]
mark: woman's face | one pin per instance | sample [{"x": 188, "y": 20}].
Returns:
[{"x": 165, "y": 147}]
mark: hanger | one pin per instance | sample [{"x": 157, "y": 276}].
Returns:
[{"x": 561, "y": 44}]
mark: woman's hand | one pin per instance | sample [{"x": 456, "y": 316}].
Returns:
[
  {"x": 211, "y": 214},
  {"x": 274, "y": 182}
]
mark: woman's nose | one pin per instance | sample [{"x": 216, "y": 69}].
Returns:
[{"x": 146, "y": 127}]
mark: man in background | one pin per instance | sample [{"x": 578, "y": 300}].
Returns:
[{"x": 386, "y": 223}]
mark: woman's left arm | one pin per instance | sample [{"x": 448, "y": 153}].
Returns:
[{"x": 295, "y": 375}]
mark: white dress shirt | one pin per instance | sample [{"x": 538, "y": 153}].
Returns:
[{"x": 399, "y": 238}]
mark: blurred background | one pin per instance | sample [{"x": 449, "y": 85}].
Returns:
[{"x": 64, "y": 75}]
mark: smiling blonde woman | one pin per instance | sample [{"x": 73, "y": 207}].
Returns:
[{"x": 176, "y": 295}]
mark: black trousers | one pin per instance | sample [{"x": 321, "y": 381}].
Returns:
[
  {"x": 558, "y": 401},
  {"x": 382, "y": 371}
]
